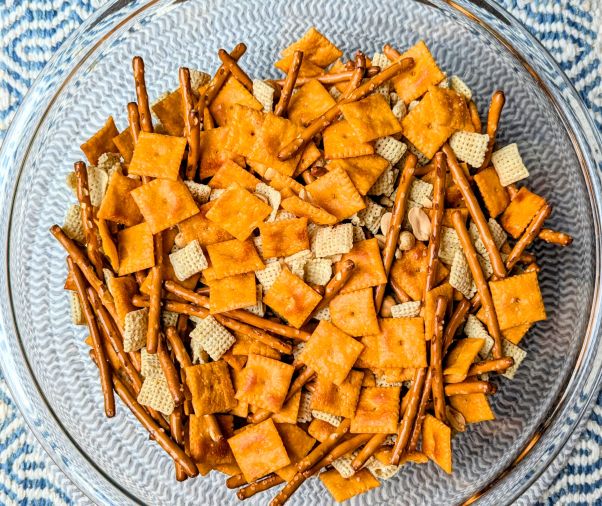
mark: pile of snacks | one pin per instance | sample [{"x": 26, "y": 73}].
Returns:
[{"x": 311, "y": 276}]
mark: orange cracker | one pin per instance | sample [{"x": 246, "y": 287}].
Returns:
[
  {"x": 341, "y": 141},
  {"x": 122, "y": 289},
  {"x": 430, "y": 302},
  {"x": 117, "y": 204},
  {"x": 354, "y": 312},
  {"x": 265, "y": 382},
  {"x": 211, "y": 388},
  {"x": 330, "y": 352},
  {"x": 436, "y": 442},
  {"x": 309, "y": 102},
  {"x": 394, "y": 374},
  {"x": 158, "y": 155},
  {"x": 400, "y": 343},
  {"x": 337, "y": 400},
  {"x": 244, "y": 130},
  {"x": 516, "y": 334},
  {"x": 164, "y": 203},
  {"x": 275, "y": 133},
  {"x": 520, "y": 212},
  {"x": 461, "y": 356},
  {"x": 207, "y": 453},
  {"x": 231, "y": 93},
  {"x": 320, "y": 430},
  {"x": 425, "y": 72},
  {"x": 245, "y": 345},
  {"x": 517, "y": 300},
  {"x": 289, "y": 411},
  {"x": 101, "y": 142},
  {"x": 213, "y": 151},
  {"x": 230, "y": 173},
  {"x": 239, "y": 212},
  {"x": 336, "y": 68},
  {"x": 315, "y": 214},
  {"x": 377, "y": 411},
  {"x": 259, "y": 450},
  {"x": 233, "y": 292},
  {"x": 242, "y": 408},
  {"x": 316, "y": 48},
  {"x": 229, "y": 258},
  {"x": 291, "y": 298},
  {"x": 108, "y": 246},
  {"x": 135, "y": 248},
  {"x": 307, "y": 69},
  {"x": 169, "y": 110},
  {"x": 369, "y": 269},
  {"x": 473, "y": 407},
  {"x": 492, "y": 192},
  {"x": 284, "y": 238},
  {"x": 371, "y": 118},
  {"x": 363, "y": 170},
  {"x": 199, "y": 228},
  {"x": 297, "y": 443},
  {"x": 310, "y": 155},
  {"x": 125, "y": 144},
  {"x": 335, "y": 193},
  {"x": 342, "y": 489}
]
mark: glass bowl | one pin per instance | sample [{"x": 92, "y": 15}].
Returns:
[{"x": 45, "y": 361}]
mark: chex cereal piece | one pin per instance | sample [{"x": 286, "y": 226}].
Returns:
[
  {"x": 370, "y": 118},
  {"x": 232, "y": 292},
  {"x": 336, "y": 193},
  {"x": 460, "y": 277},
  {"x": 380, "y": 470},
  {"x": 342, "y": 489},
  {"x": 460, "y": 87},
  {"x": 136, "y": 249},
  {"x": 474, "y": 328},
  {"x": 341, "y": 141},
  {"x": 369, "y": 269},
  {"x": 283, "y": 215},
  {"x": 494, "y": 195},
  {"x": 169, "y": 318},
  {"x": 399, "y": 108},
  {"x": 323, "y": 314},
  {"x": 73, "y": 226},
  {"x": 301, "y": 256},
  {"x": 157, "y": 155},
  {"x": 155, "y": 394},
  {"x": 521, "y": 210},
  {"x": 98, "y": 181},
  {"x": 291, "y": 298},
  {"x": 229, "y": 258},
  {"x": 450, "y": 244},
  {"x": 333, "y": 240},
  {"x": 304, "y": 415},
  {"x": 302, "y": 208},
  {"x": 77, "y": 315},
  {"x": 354, "y": 312},
  {"x": 268, "y": 275},
  {"x": 200, "y": 192},
  {"x": 377, "y": 411},
  {"x": 364, "y": 171},
  {"x": 211, "y": 387},
  {"x": 338, "y": 400},
  {"x": 343, "y": 465},
  {"x": 380, "y": 60},
  {"x": 330, "y": 352},
  {"x": 385, "y": 184},
  {"x": 436, "y": 442},
  {"x": 309, "y": 102},
  {"x": 509, "y": 164},
  {"x": 485, "y": 265},
  {"x": 264, "y": 94},
  {"x": 406, "y": 309},
  {"x": 188, "y": 261},
  {"x": 358, "y": 234},
  {"x": 232, "y": 93},
  {"x": 517, "y": 300},
  {"x": 135, "y": 327},
  {"x": 274, "y": 198},
  {"x": 318, "y": 271},
  {"x": 101, "y": 142},
  {"x": 150, "y": 365},
  {"x": 259, "y": 307},
  {"x": 371, "y": 215},
  {"x": 213, "y": 337},
  {"x": 231, "y": 173},
  {"x": 460, "y": 357},
  {"x": 421, "y": 192},
  {"x": 470, "y": 147},
  {"x": 497, "y": 232},
  {"x": 284, "y": 238},
  {"x": 518, "y": 354},
  {"x": 327, "y": 417},
  {"x": 390, "y": 149},
  {"x": 117, "y": 204}
]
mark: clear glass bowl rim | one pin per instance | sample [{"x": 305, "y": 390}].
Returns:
[{"x": 525, "y": 479}]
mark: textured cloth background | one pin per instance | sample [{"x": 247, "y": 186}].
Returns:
[{"x": 31, "y": 31}]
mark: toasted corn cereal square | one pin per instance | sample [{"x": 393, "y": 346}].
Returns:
[
  {"x": 122, "y": 289},
  {"x": 291, "y": 298},
  {"x": 517, "y": 300},
  {"x": 188, "y": 261},
  {"x": 77, "y": 315},
  {"x": 323, "y": 314},
  {"x": 273, "y": 197},
  {"x": 98, "y": 180},
  {"x": 341, "y": 141},
  {"x": 73, "y": 226},
  {"x": 333, "y": 420},
  {"x": 363, "y": 171},
  {"x": 461, "y": 356},
  {"x": 101, "y": 142},
  {"x": 460, "y": 87},
  {"x": 369, "y": 269},
  {"x": 284, "y": 238},
  {"x": 309, "y": 102},
  {"x": 318, "y": 271},
  {"x": 268, "y": 275},
  {"x": 492, "y": 192},
  {"x": 297, "y": 443},
  {"x": 207, "y": 453},
  {"x": 289, "y": 411},
  {"x": 169, "y": 111},
  {"x": 518, "y": 354},
  {"x": 382, "y": 470},
  {"x": 377, "y": 411},
  {"x": 214, "y": 150},
  {"x": 337, "y": 400},
  {"x": 302, "y": 208},
  {"x": 169, "y": 318},
  {"x": 199, "y": 228},
  {"x": 150, "y": 365},
  {"x": 307, "y": 69},
  {"x": 354, "y": 312},
  {"x": 239, "y": 212},
  {"x": 231, "y": 94},
  {"x": 444, "y": 290},
  {"x": 390, "y": 149},
  {"x": 343, "y": 489},
  {"x": 264, "y": 93},
  {"x": 414, "y": 83},
  {"x": 406, "y": 309},
  {"x": 521, "y": 211},
  {"x": 232, "y": 292},
  {"x": 125, "y": 144},
  {"x": 136, "y": 249},
  {"x": 436, "y": 442},
  {"x": 230, "y": 173},
  {"x": 385, "y": 184},
  {"x": 155, "y": 394},
  {"x": 135, "y": 327},
  {"x": 333, "y": 240},
  {"x": 265, "y": 382},
  {"x": 212, "y": 337},
  {"x": 450, "y": 244},
  {"x": 460, "y": 277},
  {"x": 316, "y": 48},
  {"x": 371, "y": 215},
  {"x": 117, "y": 204},
  {"x": 343, "y": 465},
  {"x": 305, "y": 415},
  {"x": 516, "y": 334},
  {"x": 371, "y": 118},
  {"x": 157, "y": 155},
  {"x": 358, "y": 234},
  {"x": 473, "y": 407},
  {"x": 469, "y": 147},
  {"x": 200, "y": 192},
  {"x": 421, "y": 192},
  {"x": 509, "y": 165},
  {"x": 211, "y": 388},
  {"x": 233, "y": 257}
]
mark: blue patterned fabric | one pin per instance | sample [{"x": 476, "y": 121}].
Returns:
[{"x": 31, "y": 31}]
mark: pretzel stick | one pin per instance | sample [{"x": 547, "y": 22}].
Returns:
[
  {"x": 437, "y": 391},
  {"x": 525, "y": 258},
  {"x": 437, "y": 218},
  {"x": 170, "y": 372},
  {"x": 474, "y": 116},
  {"x": 288, "y": 490},
  {"x": 221, "y": 76},
  {"x": 356, "y": 78},
  {"x": 555, "y": 237},
  {"x": 529, "y": 235},
  {"x": 308, "y": 177},
  {"x": 480, "y": 281},
  {"x": 239, "y": 314},
  {"x": 177, "y": 433},
  {"x": 370, "y": 448},
  {"x": 532, "y": 268},
  {"x": 233, "y": 67},
  {"x": 192, "y": 125},
  {"x": 470, "y": 387},
  {"x": 420, "y": 415},
  {"x": 134, "y": 120},
  {"x": 347, "y": 446},
  {"x": 476, "y": 213},
  {"x": 103, "y": 365},
  {"x": 320, "y": 123},
  {"x": 268, "y": 482},
  {"x": 146, "y": 122},
  {"x": 236, "y": 480},
  {"x": 409, "y": 415},
  {"x": 493, "y": 119},
  {"x": 289, "y": 84},
  {"x": 399, "y": 292},
  {"x": 339, "y": 77},
  {"x": 178, "y": 347},
  {"x": 493, "y": 365},
  {"x": 154, "y": 308},
  {"x": 455, "y": 321},
  {"x": 334, "y": 286},
  {"x": 399, "y": 211}
]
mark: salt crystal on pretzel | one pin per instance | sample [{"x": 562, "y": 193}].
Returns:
[
  {"x": 77, "y": 314},
  {"x": 460, "y": 277},
  {"x": 390, "y": 149},
  {"x": 449, "y": 245},
  {"x": 327, "y": 417},
  {"x": 304, "y": 415},
  {"x": 169, "y": 319},
  {"x": 460, "y": 87},
  {"x": 406, "y": 309},
  {"x": 343, "y": 465},
  {"x": 518, "y": 354},
  {"x": 421, "y": 192},
  {"x": 188, "y": 261},
  {"x": 509, "y": 164},
  {"x": 264, "y": 94},
  {"x": 385, "y": 184},
  {"x": 371, "y": 216},
  {"x": 274, "y": 198},
  {"x": 134, "y": 330},
  {"x": 475, "y": 328},
  {"x": 268, "y": 275},
  {"x": 155, "y": 394},
  {"x": 150, "y": 365},
  {"x": 469, "y": 147},
  {"x": 73, "y": 226},
  {"x": 318, "y": 271},
  {"x": 200, "y": 192},
  {"x": 212, "y": 337},
  {"x": 333, "y": 240}
]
